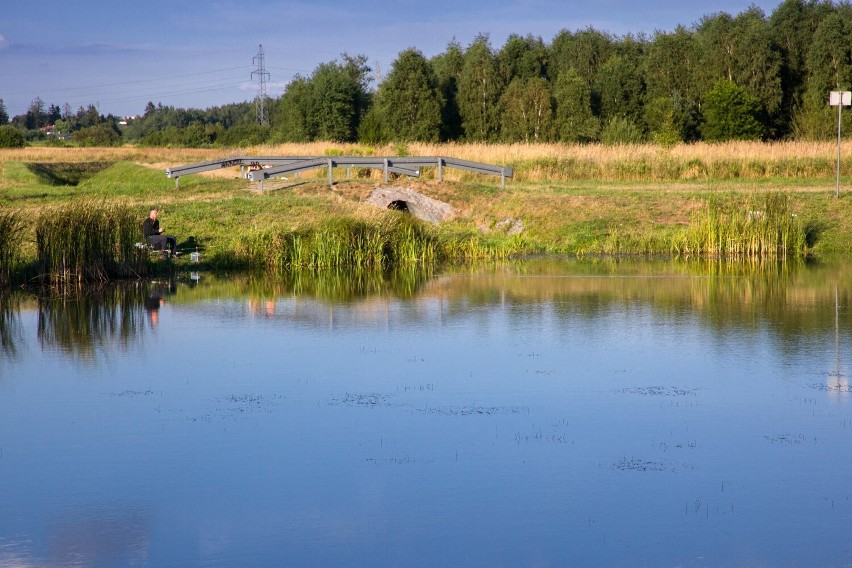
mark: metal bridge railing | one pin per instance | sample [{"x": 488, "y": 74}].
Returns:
[{"x": 261, "y": 168}]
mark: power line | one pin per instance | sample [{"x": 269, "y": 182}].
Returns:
[
  {"x": 263, "y": 75},
  {"x": 138, "y": 81}
]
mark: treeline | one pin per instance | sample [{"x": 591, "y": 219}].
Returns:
[
  {"x": 727, "y": 77},
  {"x": 89, "y": 127}
]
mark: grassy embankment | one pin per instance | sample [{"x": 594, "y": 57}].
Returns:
[{"x": 730, "y": 199}]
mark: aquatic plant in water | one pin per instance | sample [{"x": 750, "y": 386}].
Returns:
[
  {"x": 762, "y": 226},
  {"x": 88, "y": 242},
  {"x": 11, "y": 229}
]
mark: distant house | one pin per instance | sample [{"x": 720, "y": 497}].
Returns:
[{"x": 50, "y": 130}]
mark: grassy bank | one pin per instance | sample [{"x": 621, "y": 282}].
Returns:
[{"x": 749, "y": 199}]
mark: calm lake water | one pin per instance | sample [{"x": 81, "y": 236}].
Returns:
[{"x": 550, "y": 413}]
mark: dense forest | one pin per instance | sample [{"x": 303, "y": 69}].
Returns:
[{"x": 749, "y": 76}]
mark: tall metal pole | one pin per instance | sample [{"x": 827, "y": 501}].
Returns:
[{"x": 837, "y": 183}]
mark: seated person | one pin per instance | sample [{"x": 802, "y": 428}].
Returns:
[{"x": 155, "y": 237}]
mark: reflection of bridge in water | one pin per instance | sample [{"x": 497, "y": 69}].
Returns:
[{"x": 260, "y": 168}]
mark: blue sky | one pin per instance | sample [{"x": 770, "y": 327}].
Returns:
[{"x": 120, "y": 55}]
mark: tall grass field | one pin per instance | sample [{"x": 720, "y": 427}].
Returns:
[{"x": 532, "y": 162}]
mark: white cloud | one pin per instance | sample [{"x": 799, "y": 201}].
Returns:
[{"x": 4, "y": 43}]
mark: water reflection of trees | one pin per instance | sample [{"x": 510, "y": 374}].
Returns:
[
  {"x": 790, "y": 299},
  {"x": 81, "y": 323},
  {"x": 794, "y": 302}
]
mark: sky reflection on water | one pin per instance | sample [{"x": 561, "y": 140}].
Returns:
[{"x": 542, "y": 414}]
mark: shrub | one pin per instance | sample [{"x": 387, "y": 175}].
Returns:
[
  {"x": 98, "y": 135},
  {"x": 730, "y": 113},
  {"x": 620, "y": 130},
  {"x": 11, "y": 137}
]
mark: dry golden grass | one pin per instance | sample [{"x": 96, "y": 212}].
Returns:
[
  {"x": 492, "y": 153},
  {"x": 532, "y": 162}
]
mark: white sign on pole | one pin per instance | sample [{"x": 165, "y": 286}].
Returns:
[{"x": 837, "y": 98}]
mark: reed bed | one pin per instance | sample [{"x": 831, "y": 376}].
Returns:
[
  {"x": 344, "y": 243},
  {"x": 758, "y": 227},
  {"x": 85, "y": 242},
  {"x": 394, "y": 241},
  {"x": 11, "y": 231}
]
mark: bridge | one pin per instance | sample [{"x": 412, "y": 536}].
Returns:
[{"x": 260, "y": 168}]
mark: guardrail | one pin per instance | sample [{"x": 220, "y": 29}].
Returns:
[{"x": 261, "y": 168}]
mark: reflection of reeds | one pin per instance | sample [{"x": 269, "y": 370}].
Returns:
[
  {"x": 88, "y": 242},
  {"x": 759, "y": 227},
  {"x": 9, "y": 324},
  {"x": 11, "y": 229},
  {"x": 343, "y": 284},
  {"x": 78, "y": 324}
]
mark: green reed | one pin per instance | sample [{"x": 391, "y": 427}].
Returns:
[
  {"x": 345, "y": 243},
  {"x": 85, "y": 242},
  {"x": 11, "y": 231},
  {"x": 761, "y": 226}
]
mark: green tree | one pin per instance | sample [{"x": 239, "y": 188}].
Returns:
[
  {"x": 448, "y": 66},
  {"x": 54, "y": 113},
  {"x": 480, "y": 88},
  {"x": 60, "y": 127},
  {"x": 293, "y": 110},
  {"x": 829, "y": 65},
  {"x": 527, "y": 110},
  {"x": 4, "y": 115},
  {"x": 829, "y": 60},
  {"x": 522, "y": 57},
  {"x": 328, "y": 105},
  {"x": 740, "y": 49},
  {"x": 333, "y": 105},
  {"x": 670, "y": 65},
  {"x": 730, "y": 113},
  {"x": 361, "y": 75},
  {"x": 619, "y": 84},
  {"x": 793, "y": 26},
  {"x": 88, "y": 117},
  {"x": 660, "y": 119},
  {"x": 103, "y": 134},
  {"x": 244, "y": 134},
  {"x": 409, "y": 99},
  {"x": 574, "y": 120},
  {"x": 10, "y": 137},
  {"x": 584, "y": 51},
  {"x": 372, "y": 129},
  {"x": 36, "y": 116}
]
